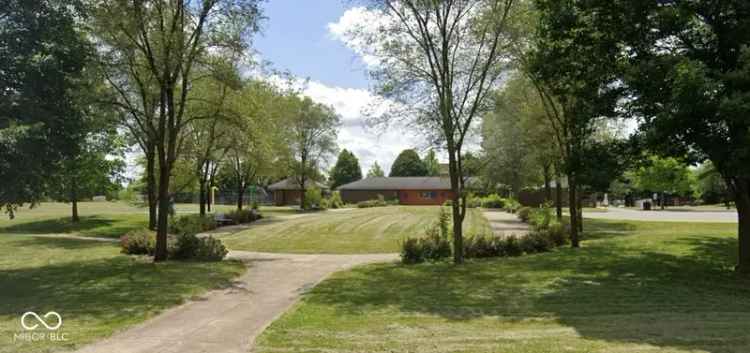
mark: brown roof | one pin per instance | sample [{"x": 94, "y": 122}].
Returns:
[
  {"x": 399, "y": 183},
  {"x": 291, "y": 184}
]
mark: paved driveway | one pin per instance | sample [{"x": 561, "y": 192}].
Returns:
[
  {"x": 667, "y": 216},
  {"x": 503, "y": 223},
  {"x": 229, "y": 320}
]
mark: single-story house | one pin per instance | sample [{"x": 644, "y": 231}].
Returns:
[
  {"x": 407, "y": 190},
  {"x": 287, "y": 191}
]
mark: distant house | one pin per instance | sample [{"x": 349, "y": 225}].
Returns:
[
  {"x": 287, "y": 191},
  {"x": 407, "y": 190}
]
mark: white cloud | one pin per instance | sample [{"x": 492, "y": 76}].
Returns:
[
  {"x": 353, "y": 29},
  {"x": 368, "y": 144}
]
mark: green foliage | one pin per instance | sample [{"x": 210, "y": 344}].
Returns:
[
  {"x": 375, "y": 171},
  {"x": 473, "y": 201},
  {"x": 138, "y": 242},
  {"x": 379, "y": 202},
  {"x": 191, "y": 224},
  {"x": 346, "y": 169},
  {"x": 524, "y": 214},
  {"x": 492, "y": 201},
  {"x": 431, "y": 163},
  {"x": 244, "y": 216},
  {"x": 540, "y": 218},
  {"x": 710, "y": 186},
  {"x": 408, "y": 164},
  {"x": 313, "y": 199},
  {"x": 46, "y": 91},
  {"x": 665, "y": 175},
  {"x": 444, "y": 223},
  {"x": 191, "y": 247},
  {"x": 335, "y": 200},
  {"x": 512, "y": 205}
]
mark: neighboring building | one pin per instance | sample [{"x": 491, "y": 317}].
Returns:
[
  {"x": 287, "y": 191},
  {"x": 407, "y": 190}
]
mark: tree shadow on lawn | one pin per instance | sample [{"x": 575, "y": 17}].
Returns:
[
  {"x": 603, "y": 291},
  {"x": 109, "y": 292},
  {"x": 95, "y": 226}
]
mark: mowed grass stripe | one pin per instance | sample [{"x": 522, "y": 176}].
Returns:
[{"x": 357, "y": 231}]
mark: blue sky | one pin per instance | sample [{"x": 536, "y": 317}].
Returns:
[
  {"x": 296, "y": 38},
  {"x": 299, "y": 37}
]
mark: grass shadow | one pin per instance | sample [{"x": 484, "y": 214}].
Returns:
[
  {"x": 606, "y": 291},
  {"x": 95, "y": 226}
]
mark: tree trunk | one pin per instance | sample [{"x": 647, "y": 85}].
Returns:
[
  {"x": 573, "y": 210},
  {"x": 302, "y": 194},
  {"x": 742, "y": 200},
  {"x": 209, "y": 197},
  {"x": 162, "y": 221},
  {"x": 151, "y": 188},
  {"x": 547, "y": 188},
  {"x": 661, "y": 200},
  {"x": 240, "y": 197},
  {"x": 579, "y": 197},
  {"x": 458, "y": 234},
  {"x": 202, "y": 198},
  {"x": 74, "y": 201},
  {"x": 558, "y": 198}
]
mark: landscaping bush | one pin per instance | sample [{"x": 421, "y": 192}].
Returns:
[
  {"x": 483, "y": 246},
  {"x": 335, "y": 200},
  {"x": 138, "y": 242},
  {"x": 558, "y": 233},
  {"x": 192, "y": 247},
  {"x": 430, "y": 248},
  {"x": 473, "y": 201},
  {"x": 541, "y": 217},
  {"x": 313, "y": 198},
  {"x": 511, "y": 205},
  {"x": 243, "y": 216},
  {"x": 524, "y": 214},
  {"x": 493, "y": 201},
  {"x": 511, "y": 246},
  {"x": 191, "y": 224},
  {"x": 536, "y": 242},
  {"x": 379, "y": 202}
]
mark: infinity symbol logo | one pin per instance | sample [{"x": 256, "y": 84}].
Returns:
[{"x": 47, "y": 315}]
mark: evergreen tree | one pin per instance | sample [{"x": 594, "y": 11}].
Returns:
[
  {"x": 375, "y": 171},
  {"x": 408, "y": 164},
  {"x": 346, "y": 169}
]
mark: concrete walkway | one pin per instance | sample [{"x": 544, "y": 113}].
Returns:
[
  {"x": 504, "y": 223},
  {"x": 617, "y": 213},
  {"x": 229, "y": 320}
]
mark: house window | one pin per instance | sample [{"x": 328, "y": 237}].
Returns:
[{"x": 427, "y": 194}]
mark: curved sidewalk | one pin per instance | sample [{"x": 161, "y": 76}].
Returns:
[
  {"x": 229, "y": 320},
  {"x": 663, "y": 216}
]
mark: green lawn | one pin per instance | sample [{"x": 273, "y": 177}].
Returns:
[
  {"x": 92, "y": 286},
  {"x": 98, "y": 219},
  {"x": 633, "y": 287},
  {"x": 365, "y": 230}
]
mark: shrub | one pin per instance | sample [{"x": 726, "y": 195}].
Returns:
[
  {"x": 243, "y": 216},
  {"x": 511, "y": 205},
  {"x": 536, "y": 242},
  {"x": 524, "y": 213},
  {"x": 448, "y": 203},
  {"x": 192, "y": 247},
  {"x": 430, "y": 248},
  {"x": 473, "y": 201},
  {"x": 482, "y": 246},
  {"x": 540, "y": 218},
  {"x": 138, "y": 242},
  {"x": 511, "y": 246},
  {"x": 379, "y": 202},
  {"x": 335, "y": 200},
  {"x": 558, "y": 233},
  {"x": 444, "y": 224},
  {"x": 191, "y": 224},
  {"x": 313, "y": 196},
  {"x": 493, "y": 201}
]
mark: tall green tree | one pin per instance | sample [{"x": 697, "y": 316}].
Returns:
[
  {"x": 375, "y": 171},
  {"x": 693, "y": 93},
  {"x": 408, "y": 164},
  {"x": 43, "y": 61},
  {"x": 578, "y": 83},
  {"x": 167, "y": 42},
  {"x": 431, "y": 163},
  {"x": 439, "y": 61},
  {"x": 346, "y": 169},
  {"x": 664, "y": 176},
  {"x": 312, "y": 135}
]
